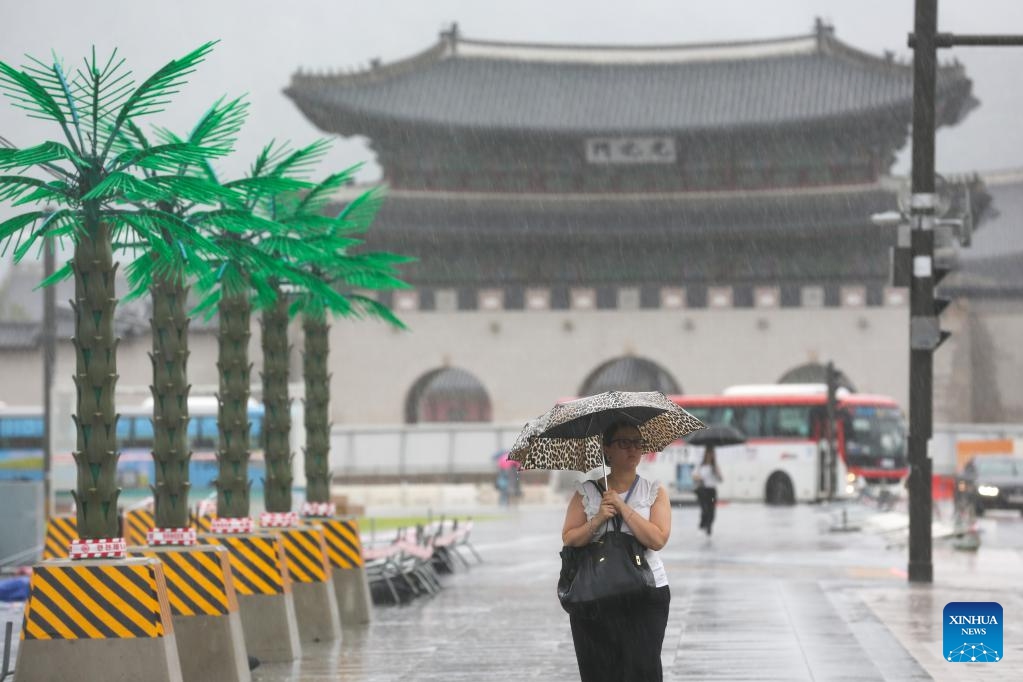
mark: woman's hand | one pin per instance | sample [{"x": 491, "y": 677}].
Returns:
[
  {"x": 605, "y": 513},
  {"x": 615, "y": 500}
]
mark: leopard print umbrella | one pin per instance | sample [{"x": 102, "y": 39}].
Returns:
[{"x": 569, "y": 435}]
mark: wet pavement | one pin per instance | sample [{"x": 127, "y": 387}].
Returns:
[{"x": 773, "y": 595}]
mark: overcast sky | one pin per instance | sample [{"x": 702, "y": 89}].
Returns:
[{"x": 263, "y": 42}]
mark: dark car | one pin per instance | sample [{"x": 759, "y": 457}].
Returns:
[{"x": 992, "y": 482}]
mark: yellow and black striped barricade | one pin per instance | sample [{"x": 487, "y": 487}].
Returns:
[
  {"x": 98, "y": 619},
  {"x": 315, "y": 602},
  {"x": 204, "y": 608},
  {"x": 344, "y": 551},
  {"x": 203, "y": 523},
  {"x": 137, "y": 522},
  {"x": 262, "y": 583},
  {"x": 60, "y": 531}
]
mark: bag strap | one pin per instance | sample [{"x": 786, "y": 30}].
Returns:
[
  {"x": 631, "y": 488},
  {"x": 600, "y": 491}
]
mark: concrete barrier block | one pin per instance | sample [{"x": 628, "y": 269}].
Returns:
[
  {"x": 262, "y": 584},
  {"x": 315, "y": 603},
  {"x": 204, "y": 609},
  {"x": 344, "y": 551},
  {"x": 98, "y": 619}
]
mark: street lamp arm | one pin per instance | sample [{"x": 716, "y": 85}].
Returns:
[{"x": 959, "y": 40}]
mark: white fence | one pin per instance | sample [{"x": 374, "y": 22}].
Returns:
[{"x": 416, "y": 449}]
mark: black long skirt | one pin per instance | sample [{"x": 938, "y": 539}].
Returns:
[{"x": 623, "y": 642}]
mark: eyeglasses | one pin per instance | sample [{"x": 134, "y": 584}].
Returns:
[{"x": 630, "y": 443}]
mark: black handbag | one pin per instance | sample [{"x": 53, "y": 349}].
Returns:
[{"x": 611, "y": 568}]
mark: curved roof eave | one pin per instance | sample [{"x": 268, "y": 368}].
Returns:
[
  {"x": 354, "y": 122},
  {"x": 460, "y": 84}
]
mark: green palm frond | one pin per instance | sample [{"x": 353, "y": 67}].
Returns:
[
  {"x": 292, "y": 248},
  {"x": 368, "y": 279},
  {"x": 54, "y": 80},
  {"x": 207, "y": 305},
  {"x": 259, "y": 187},
  {"x": 269, "y": 156},
  {"x": 13, "y": 226},
  {"x": 129, "y": 140},
  {"x": 158, "y": 227},
  {"x": 62, "y": 273},
  {"x": 220, "y": 125},
  {"x": 56, "y": 224},
  {"x": 301, "y": 161},
  {"x": 339, "y": 269},
  {"x": 378, "y": 310},
  {"x": 385, "y": 258},
  {"x": 139, "y": 274},
  {"x": 150, "y": 97},
  {"x": 101, "y": 92},
  {"x": 360, "y": 213},
  {"x": 316, "y": 226},
  {"x": 196, "y": 190},
  {"x": 57, "y": 192},
  {"x": 119, "y": 184},
  {"x": 28, "y": 94},
  {"x": 14, "y": 186},
  {"x": 314, "y": 200},
  {"x": 163, "y": 158},
  {"x": 45, "y": 153},
  {"x": 238, "y": 222}
]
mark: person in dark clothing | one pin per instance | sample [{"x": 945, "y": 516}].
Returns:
[
  {"x": 708, "y": 476},
  {"x": 621, "y": 642}
]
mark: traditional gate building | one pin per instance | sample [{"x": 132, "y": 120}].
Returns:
[{"x": 585, "y": 217}]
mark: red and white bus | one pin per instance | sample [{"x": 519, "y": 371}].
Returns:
[{"x": 785, "y": 459}]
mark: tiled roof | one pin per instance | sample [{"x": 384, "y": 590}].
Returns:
[
  {"x": 465, "y": 240},
  {"x": 466, "y": 214},
  {"x": 461, "y": 83}
]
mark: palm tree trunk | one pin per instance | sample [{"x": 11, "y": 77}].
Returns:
[
  {"x": 233, "y": 449},
  {"x": 317, "y": 400},
  {"x": 170, "y": 402},
  {"x": 95, "y": 379},
  {"x": 277, "y": 405}
]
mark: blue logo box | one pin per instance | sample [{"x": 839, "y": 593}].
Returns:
[{"x": 972, "y": 632}]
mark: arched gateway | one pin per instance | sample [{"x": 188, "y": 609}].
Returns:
[
  {"x": 630, "y": 374},
  {"x": 448, "y": 394}
]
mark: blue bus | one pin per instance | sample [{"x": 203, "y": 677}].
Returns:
[{"x": 21, "y": 445}]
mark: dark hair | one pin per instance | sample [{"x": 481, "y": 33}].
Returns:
[{"x": 612, "y": 429}]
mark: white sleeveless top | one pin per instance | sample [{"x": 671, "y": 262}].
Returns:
[{"x": 641, "y": 501}]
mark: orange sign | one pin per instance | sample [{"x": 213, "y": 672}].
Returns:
[{"x": 968, "y": 449}]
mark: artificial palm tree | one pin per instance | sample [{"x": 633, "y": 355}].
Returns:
[
  {"x": 88, "y": 183},
  {"x": 218, "y": 127},
  {"x": 332, "y": 262},
  {"x": 259, "y": 257}
]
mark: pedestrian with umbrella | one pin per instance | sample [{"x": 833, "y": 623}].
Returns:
[
  {"x": 622, "y": 639},
  {"x": 708, "y": 475}
]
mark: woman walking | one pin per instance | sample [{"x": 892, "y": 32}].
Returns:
[
  {"x": 624, "y": 642},
  {"x": 708, "y": 476}
]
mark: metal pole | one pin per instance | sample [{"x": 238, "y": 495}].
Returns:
[
  {"x": 921, "y": 294},
  {"x": 49, "y": 356},
  {"x": 832, "y": 389}
]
